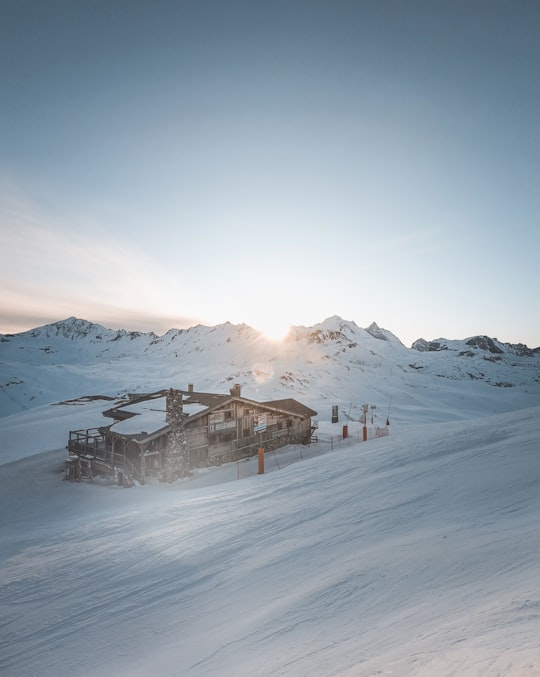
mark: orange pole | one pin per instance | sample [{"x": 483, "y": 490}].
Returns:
[
  {"x": 261, "y": 461},
  {"x": 345, "y": 431},
  {"x": 364, "y": 434}
]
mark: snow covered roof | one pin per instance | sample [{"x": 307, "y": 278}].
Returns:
[
  {"x": 154, "y": 404},
  {"x": 149, "y": 421},
  {"x": 291, "y": 406},
  {"x": 150, "y": 415},
  {"x": 192, "y": 408}
]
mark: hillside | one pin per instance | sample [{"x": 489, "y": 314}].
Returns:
[{"x": 416, "y": 554}]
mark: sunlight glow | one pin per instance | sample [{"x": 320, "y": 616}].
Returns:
[{"x": 273, "y": 329}]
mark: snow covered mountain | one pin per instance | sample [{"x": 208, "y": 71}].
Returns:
[
  {"x": 335, "y": 360},
  {"x": 414, "y": 554}
]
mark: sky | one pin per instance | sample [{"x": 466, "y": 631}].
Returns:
[{"x": 166, "y": 163}]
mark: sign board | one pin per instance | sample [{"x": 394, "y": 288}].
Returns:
[
  {"x": 259, "y": 422},
  {"x": 222, "y": 425}
]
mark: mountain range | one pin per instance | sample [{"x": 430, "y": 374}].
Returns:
[{"x": 335, "y": 361}]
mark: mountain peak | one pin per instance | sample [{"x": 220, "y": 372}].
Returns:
[
  {"x": 72, "y": 327},
  {"x": 484, "y": 343},
  {"x": 382, "y": 334},
  {"x": 375, "y": 331}
]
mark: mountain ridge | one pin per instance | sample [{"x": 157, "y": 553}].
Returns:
[
  {"x": 74, "y": 327},
  {"x": 332, "y": 360}
]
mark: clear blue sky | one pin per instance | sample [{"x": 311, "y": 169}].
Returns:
[{"x": 167, "y": 163}]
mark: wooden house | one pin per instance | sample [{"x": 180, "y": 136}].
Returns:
[{"x": 168, "y": 433}]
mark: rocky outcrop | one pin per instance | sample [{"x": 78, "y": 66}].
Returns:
[
  {"x": 424, "y": 346},
  {"x": 484, "y": 343}
]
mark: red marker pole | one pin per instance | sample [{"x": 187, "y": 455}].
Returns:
[{"x": 261, "y": 461}]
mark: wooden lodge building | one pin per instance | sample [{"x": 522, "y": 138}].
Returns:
[{"x": 168, "y": 433}]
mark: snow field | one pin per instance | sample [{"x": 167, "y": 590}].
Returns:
[{"x": 415, "y": 554}]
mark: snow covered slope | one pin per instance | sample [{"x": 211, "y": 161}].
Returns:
[{"x": 416, "y": 554}]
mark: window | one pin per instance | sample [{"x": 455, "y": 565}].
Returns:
[{"x": 224, "y": 437}]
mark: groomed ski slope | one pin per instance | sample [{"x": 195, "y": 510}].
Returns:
[{"x": 415, "y": 554}]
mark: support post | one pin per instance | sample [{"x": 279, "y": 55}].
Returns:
[
  {"x": 143, "y": 465},
  {"x": 365, "y": 409}
]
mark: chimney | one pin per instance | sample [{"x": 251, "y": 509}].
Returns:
[
  {"x": 190, "y": 387},
  {"x": 236, "y": 390},
  {"x": 174, "y": 407},
  {"x": 177, "y": 455}
]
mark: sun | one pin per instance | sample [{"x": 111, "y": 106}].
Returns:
[{"x": 273, "y": 329}]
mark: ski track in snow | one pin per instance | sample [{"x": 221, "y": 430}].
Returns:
[{"x": 409, "y": 555}]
